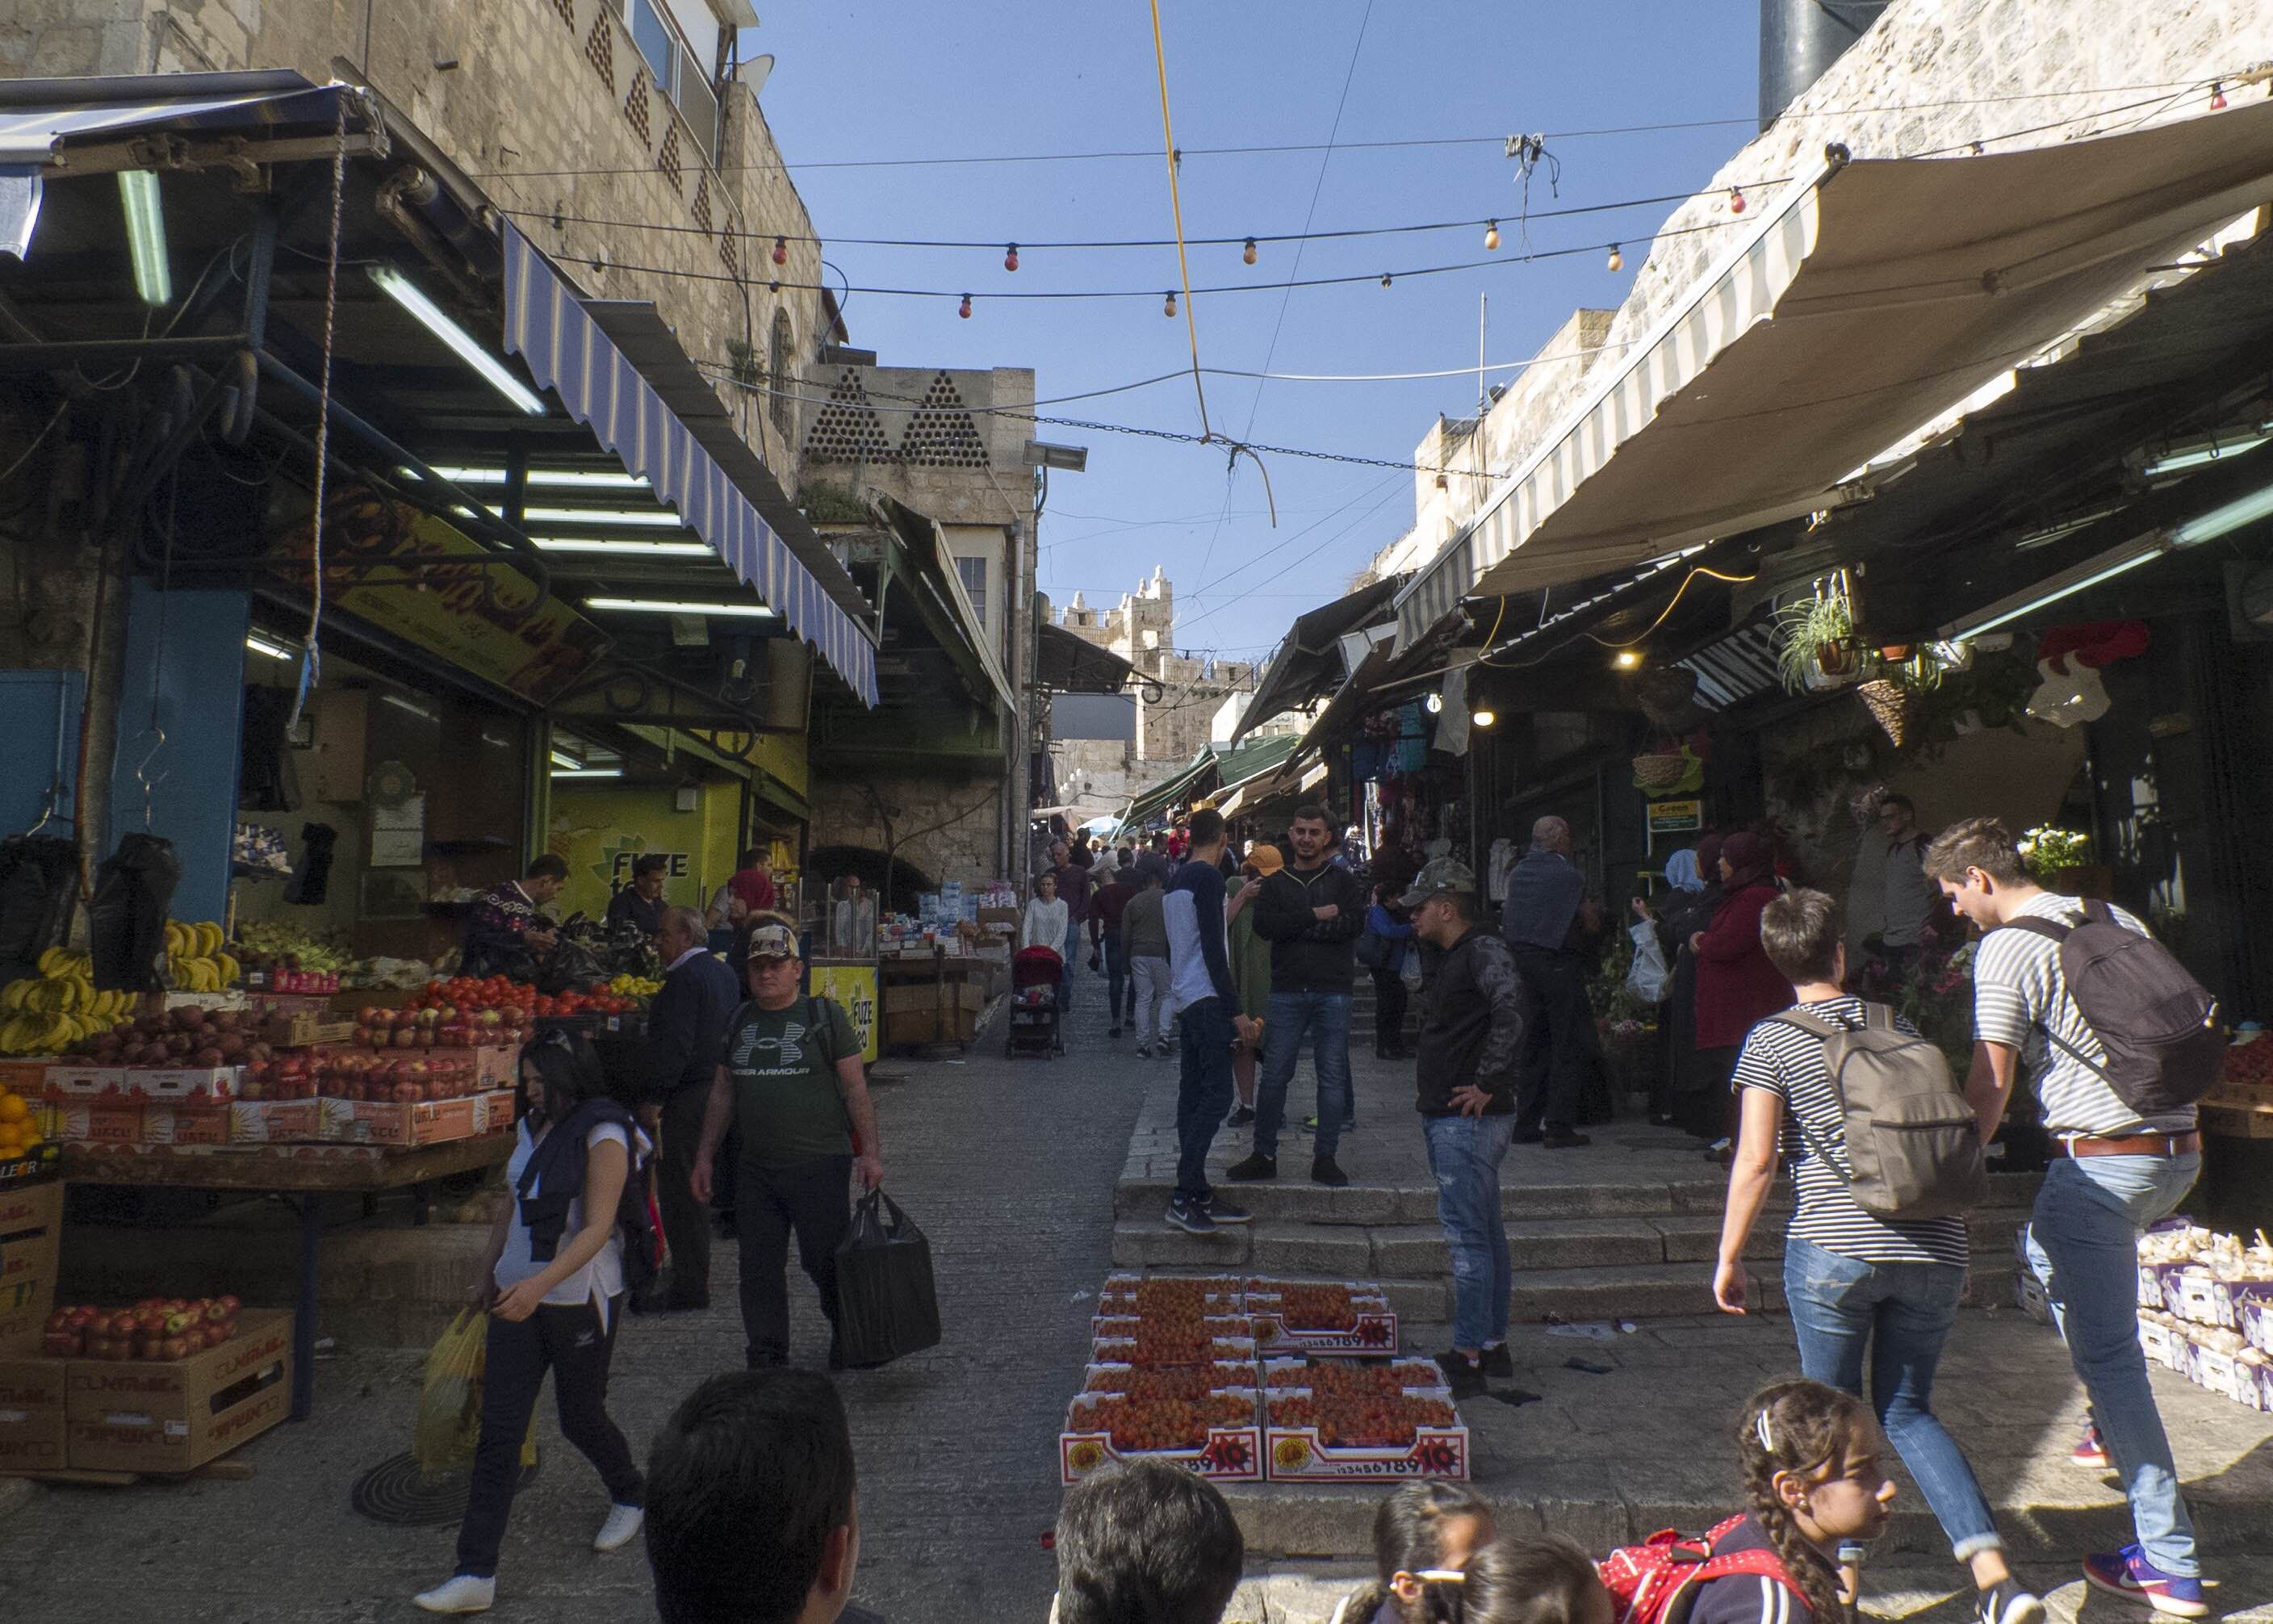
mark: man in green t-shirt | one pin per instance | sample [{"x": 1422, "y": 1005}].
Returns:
[{"x": 790, "y": 1081}]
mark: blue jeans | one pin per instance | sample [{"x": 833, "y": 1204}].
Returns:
[
  {"x": 1465, "y": 1153},
  {"x": 1122, "y": 990},
  {"x": 1326, "y": 1016},
  {"x": 2083, "y": 1241},
  {"x": 1202, "y": 1092},
  {"x": 1902, "y": 1314},
  {"x": 1072, "y": 955}
]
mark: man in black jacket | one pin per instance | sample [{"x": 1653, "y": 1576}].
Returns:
[
  {"x": 1472, "y": 1027},
  {"x": 686, "y": 1028},
  {"x": 1311, "y": 913}
]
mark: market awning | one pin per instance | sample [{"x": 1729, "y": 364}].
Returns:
[
  {"x": 1172, "y": 789},
  {"x": 1065, "y": 663},
  {"x": 1351, "y": 700},
  {"x": 1257, "y": 759},
  {"x": 568, "y": 352},
  {"x": 1309, "y": 662},
  {"x": 1870, "y": 296}
]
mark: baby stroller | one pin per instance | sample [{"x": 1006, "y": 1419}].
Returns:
[{"x": 1036, "y": 975}]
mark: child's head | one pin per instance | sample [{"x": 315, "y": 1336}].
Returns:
[
  {"x": 1426, "y": 1528},
  {"x": 1812, "y": 1471},
  {"x": 1534, "y": 1579}
]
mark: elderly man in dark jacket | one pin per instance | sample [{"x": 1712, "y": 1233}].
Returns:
[
  {"x": 1311, "y": 913},
  {"x": 686, "y": 1028},
  {"x": 1549, "y": 924}
]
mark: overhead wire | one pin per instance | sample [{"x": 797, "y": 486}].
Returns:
[{"x": 1176, "y": 211}]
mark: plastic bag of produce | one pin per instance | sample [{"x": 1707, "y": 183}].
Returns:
[
  {"x": 450, "y": 1404},
  {"x": 888, "y": 1306}
]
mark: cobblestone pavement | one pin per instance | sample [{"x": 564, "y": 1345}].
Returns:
[{"x": 1007, "y": 1166}]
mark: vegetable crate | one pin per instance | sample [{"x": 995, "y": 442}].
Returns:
[
  {"x": 1283, "y": 1324},
  {"x": 1226, "y": 1454}
]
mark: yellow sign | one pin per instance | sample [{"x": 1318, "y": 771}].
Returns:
[
  {"x": 1675, "y": 817},
  {"x": 465, "y": 615},
  {"x": 853, "y": 986},
  {"x": 600, "y": 828}
]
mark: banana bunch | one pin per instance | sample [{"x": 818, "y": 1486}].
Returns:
[
  {"x": 47, "y": 1013},
  {"x": 194, "y": 960}
]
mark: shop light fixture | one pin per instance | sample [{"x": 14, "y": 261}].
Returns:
[
  {"x": 568, "y": 761},
  {"x": 560, "y": 479},
  {"x": 2199, "y": 453},
  {"x": 1484, "y": 717},
  {"x": 660, "y": 518},
  {"x": 145, "y": 235},
  {"x": 425, "y": 712},
  {"x": 663, "y": 606},
  {"x": 405, "y": 292},
  {"x": 2222, "y": 519},
  {"x": 637, "y": 549},
  {"x": 262, "y": 646},
  {"x": 1435, "y": 702},
  {"x": 589, "y": 772},
  {"x": 1626, "y": 660}
]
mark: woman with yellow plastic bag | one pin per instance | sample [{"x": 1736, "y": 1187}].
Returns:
[{"x": 552, "y": 1282}]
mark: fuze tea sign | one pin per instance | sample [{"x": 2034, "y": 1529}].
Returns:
[{"x": 617, "y": 869}]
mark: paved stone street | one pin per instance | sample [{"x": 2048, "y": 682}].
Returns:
[{"x": 1011, "y": 1168}]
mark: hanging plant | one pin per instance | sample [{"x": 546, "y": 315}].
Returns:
[
  {"x": 1889, "y": 704},
  {"x": 1817, "y": 651}
]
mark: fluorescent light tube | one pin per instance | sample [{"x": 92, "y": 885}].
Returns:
[
  {"x": 262, "y": 646},
  {"x": 405, "y": 292},
  {"x": 2219, "y": 520},
  {"x": 658, "y": 606},
  {"x": 2195, "y": 457},
  {"x": 2091, "y": 573},
  {"x": 412, "y": 705},
  {"x": 651, "y": 549},
  {"x": 568, "y": 761},
  {"x": 145, "y": 235},
  {"x": 661, "y": 518},
  {"x": 589, "y": 772},
  {"x": 591, "y": 479}
]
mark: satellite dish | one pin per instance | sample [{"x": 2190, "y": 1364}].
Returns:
[{"x": 753, "y": 73}]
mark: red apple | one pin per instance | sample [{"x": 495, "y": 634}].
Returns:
[
  {"x": 405, "y": 1036},
  {"x": 99, "y": 1348},
  {"x": 123, "y": 1323},
  {"x": 368, "y": 1015},
  {"x": 175, "y": 1347}
]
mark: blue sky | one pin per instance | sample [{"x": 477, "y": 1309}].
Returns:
[{"x": 874, "y": 80}]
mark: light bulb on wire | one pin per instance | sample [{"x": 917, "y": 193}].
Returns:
[
  {"x": 1492, "y": 236},
  {"x": 2218, "y": 95},
  {"x": 1482, "y": 716},
  {"x": 1435, "y": 703},
  {"x": 1384, "y": 278},
  {"x": 1735, "y": 199},
  {"x": 780, "y": 250},
  {"x": 1617, "y": 259},
  {"x": 1246, "y": 254},
  {"x": 1168, "y": 305},
  {"x": 1010, "y": 258},
  {"x": 965, "y": 310}
]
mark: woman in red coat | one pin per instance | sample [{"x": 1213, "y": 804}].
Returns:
[{"x": 1736, "y": 987}]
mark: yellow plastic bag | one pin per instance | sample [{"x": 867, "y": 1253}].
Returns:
[{"x": 449, "y": 1422}]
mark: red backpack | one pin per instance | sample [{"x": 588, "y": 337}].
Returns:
[{"x": 1657, "y": 1581}]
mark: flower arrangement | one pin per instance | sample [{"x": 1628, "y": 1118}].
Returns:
[
  {"x": 1934, "y": 992},
  {"x": 2049, "y": 850}
]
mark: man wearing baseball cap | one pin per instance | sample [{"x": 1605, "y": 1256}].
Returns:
[
  {"x": 1472, "y": 1025},
  {"x": 790, "y": 1083}
]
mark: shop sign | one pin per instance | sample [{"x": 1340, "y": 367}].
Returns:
[
  {"x": 617, "y": 871},
  {"x": 454, "y": 617},
  {"x": 853, "y": 986},
  {"x": 1675, "y": 817}
]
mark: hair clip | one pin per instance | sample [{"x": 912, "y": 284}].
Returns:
[
  {"x": 1441, "y": 1575},
  {"x": 1761, "y": 1430}
]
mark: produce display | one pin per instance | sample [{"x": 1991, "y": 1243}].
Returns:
[
  {"x": 48, "y": 1013},
  {"x": 194, "y": 960},
  {"x": 473, "y": 1001},
  {"x": 444, "y": 1026},
  {"x": 1136, "y": 1424},
  {"x": 2194, "y": 1250},
  {"x": 1150, "y": 1343},
  {"x": 1377, "y": 1421},
  {"x": 20, "y": 1130},
  {"x": 634, "y": 986},
  {"x": 1354, "y": 1381},
  {"x": 2248, "y": 1066},
  {"x": 1308, "y": 1307},
  {"x": 1194, "y": 1295},
  {"x": 1300, "y": 1316},
  {"x": 169, "y": 1328},
  {"x": 1185, "y": 1382},
  {"x": 178, "y": 1039}
]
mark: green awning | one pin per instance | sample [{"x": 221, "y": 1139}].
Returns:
[{"x": 1173, "y": 788}]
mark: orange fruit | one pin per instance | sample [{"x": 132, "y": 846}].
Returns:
[{"x": 13, "y": 1108}]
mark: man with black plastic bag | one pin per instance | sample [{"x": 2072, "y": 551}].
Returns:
[{"x": 791, "y": 1082}]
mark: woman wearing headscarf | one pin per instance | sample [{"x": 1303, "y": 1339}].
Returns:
[
  {"x": 1736, "y": 987},
  {"x": 1684, "y": 907}
]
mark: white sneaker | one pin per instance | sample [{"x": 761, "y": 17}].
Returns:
[
  {"x": 621, "y": 1528},
  {"x": 460, "y": 1593}
]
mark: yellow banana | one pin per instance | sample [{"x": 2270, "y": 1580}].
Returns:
[
  {"x": 231, "y": 971},
  {"x": 51, "y": 962}
]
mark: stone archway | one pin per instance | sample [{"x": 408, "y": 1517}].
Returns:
[{"x": 895, "y": 880}]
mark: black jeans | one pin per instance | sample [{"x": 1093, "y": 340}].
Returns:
[
  {"x": 1203, "y": 1092},
  {"x": 1556, "y": 1047},
  {"x": 567, "y": 1339},
  {"x": 686, "y": 1225},
  {"x": 810, "y": 1199},
  {"x": 1388, "y": 998}
]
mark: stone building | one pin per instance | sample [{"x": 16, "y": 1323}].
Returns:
[{"x": 1190, "y": 685}]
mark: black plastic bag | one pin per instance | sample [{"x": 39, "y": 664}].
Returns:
[
  {"x": 886, "y": 1306},
  {"x": 39, "y": 893},
  {"x": 126, "y": 922}
]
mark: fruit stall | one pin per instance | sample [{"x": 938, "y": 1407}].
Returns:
[{"x": 1250, "y": 1379}]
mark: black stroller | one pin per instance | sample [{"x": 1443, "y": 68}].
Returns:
[{"x": 1036, "y": 975}]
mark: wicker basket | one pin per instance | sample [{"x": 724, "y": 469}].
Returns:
[
  {"x": 1889, "y": 705},
  {"x": 1654, "y": 774}
]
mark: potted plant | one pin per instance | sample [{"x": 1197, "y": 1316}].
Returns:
[
  {"x": 1818, "y": 650},
  {"x": 2057, "y": 858}
]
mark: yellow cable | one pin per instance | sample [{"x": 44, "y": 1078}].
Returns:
[
  {"x": 1669, "y": 604},
  {"x": 1176, "y": 208}
]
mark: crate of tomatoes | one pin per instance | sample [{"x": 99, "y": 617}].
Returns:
[
  {"x": 1213, "y": 1432},
  {"x": 1359, "y": 1423},
  {"x": 1289, "y": 1316}
]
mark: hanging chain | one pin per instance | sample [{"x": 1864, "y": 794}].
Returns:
[{"x": 311, "y": 656}]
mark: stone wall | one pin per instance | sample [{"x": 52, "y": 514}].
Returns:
[{"x": 948, "y": 829}]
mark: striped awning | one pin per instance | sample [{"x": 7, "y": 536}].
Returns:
[
  {"x": 1868, "y": 298},
  {"x": 547, "y": 326}
]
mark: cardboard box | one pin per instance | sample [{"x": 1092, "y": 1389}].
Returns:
[
  {"x": 2255, "y": 1317},
  {"x": 304, "y": 1029},
  {"x": 1231, "y": 1454},
  {"x": 174, "y": 1415},
  {"x": 185, "y": 1125},
  {"x": 2191, "y": 1297},
  {"x": 29, "y": 1078},
  {"x": 429, "y": 1122},
  {"x": 31, "y": 1247},
  {"x": 268, "y": 1122},
  {"x": 190, "y": 1085},
  {"x": 33, "y": 1433},
  {"x": 80, "y": 1085},
  {"x": 493, "y": 1112},
  {"x": 112, "y": 1122},
  {"x": 495, "y": 1066},
  {"x": 1295, "y": 1455},
  {"x": 2030, "y": 1297},
  {"x": 1374, "y": 1332},
  {"x": 235, "y": 998}
]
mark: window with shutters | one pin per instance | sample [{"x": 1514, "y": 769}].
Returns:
[{"x": 973, "y": 572}]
